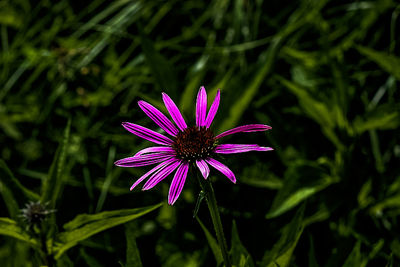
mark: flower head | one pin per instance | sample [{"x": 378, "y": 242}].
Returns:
[
  {"x": 196, "y": 145},
  {"x": 35, "y": 212}
]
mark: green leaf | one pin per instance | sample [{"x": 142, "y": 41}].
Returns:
[
  {"x": 267, "y": 61},
  {"x": 91, "y": 261},
  {"x": 258, "y": 175},
  {"x": 239, "y": 107},
  {"x": 52, "y": 185},
  {"x": 302, "y": 180},
  {"x": 15, "y": 195},
  {"x": 83, "y": 219},
  {"x": 132, "y": 251},
  {"x": 354, "y": 258},
  {"x": 312, "y": 261},
  {"x": 375, "y": 250},
  {"x": 9, "y": 200},
  {"x": 189, "y": 93},
  {"x": 163, "y": 71},
  {"x": 282, "y": 251},
  {"x": 10, "y": 17},
  {"x": 328, "y": 117},
  {"x": 389, "y": 202},
  {"x": 389, "y": 63},
  {"x": 10, "y": 228},
  {"x": 85, "y": 226},
  {"x": 239, "y": 254},
  {"x": 212, "y": 242},
  {"x": 377, "y": 120},
  {"x": 364, "y": 198}
]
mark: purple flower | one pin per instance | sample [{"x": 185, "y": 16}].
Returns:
[{"x": 195, "y": 145}]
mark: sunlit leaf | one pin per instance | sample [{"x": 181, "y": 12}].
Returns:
[
  {"x": 212, "y": 242},
  {"x": 10, "y": 228},
  {"x": 378, "y": 121},
  {"x": 15, "y": 195},
  {"x": 282, "y": 251},
  {"x": 302, "y": 180},
  {"x": 355, "y": 257},
  {"x": 85, "y": 226},
  {"x": 389, "y": 63},
  {"x": 239, "y": 254},
  {"x": 83, "y": 219}
]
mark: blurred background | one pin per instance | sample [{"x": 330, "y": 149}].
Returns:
[{"x": 322, "y": 73}]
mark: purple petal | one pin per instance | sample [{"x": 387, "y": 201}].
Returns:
[
  {"x": 238, "y": 148},
  {"x": 155, "y": 169},
  {"x": 177, "y": 183},
  {"x": 245, "y": 129},
  {"x": 147, "y": 134},
  {"x": 143, "y": 160},
  {"x": 213, "y": 110},
  {"x": 160, "y": 175},
  {"x": 159, "y": 118},
  {"x": 174, "y": 112},
  {"x": 222, "y": 168},
  {"x": 152, "y": 149},
  {"x": 201, "y": 107},
  {"x": 203, "y": 167}
]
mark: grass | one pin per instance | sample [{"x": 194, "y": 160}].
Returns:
[{"x": 323, "y": 74}]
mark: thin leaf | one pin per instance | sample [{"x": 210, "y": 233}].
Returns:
[
  {"x": 83, "y": 219},
  {"x": 312, "y": 261},
  {"x": 389, "y": 63},
  {"x": 239, "y": 254},
  {"x": 15, "y": 195},
  {"x": 163, "y": 71},
  {"x": 282, "y": 251},
  {"x": 90, "y": 225},
  {"x": 196, "y": 73},
  {"x": 377, "y": 120},
  {"x": 10, "y": 228},
  {"x": 354, "y": 258},
  {"x": 212, "y": 242},
  {"x": 132, "y": 251},
  {"x": 302, "y": 180},
  {"x": 239, "y": 107},
  {"x": 52, "y": 185}
]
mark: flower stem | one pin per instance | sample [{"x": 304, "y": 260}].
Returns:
[{"x": 216, "y": 219}]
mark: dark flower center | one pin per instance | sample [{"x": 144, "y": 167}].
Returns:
[{"x": 194, "y": 143}]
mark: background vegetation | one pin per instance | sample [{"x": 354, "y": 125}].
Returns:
[{"x": 324, "y": 74}]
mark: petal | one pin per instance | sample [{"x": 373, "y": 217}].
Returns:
[
  {"x": 213, "y": 110},
  {"x": 222, "y": 168},
  {"x": 147, "y": 134},
  {"x": 201, "y": 107},
  {"x": 158, "y": 117},
  {"x": 239, "y": 148},
  {"x": 203, "y": 167},
  {"x": 177, "y": 183},
  {"x": 245, "y": 129},
  {"x": 152, "y": 149},
  {"x": 160, "y": 175},
  {"x": 144, "y": 160},
  {"x": 155, "y": 169},
  {"x": 174, "y": 112}
]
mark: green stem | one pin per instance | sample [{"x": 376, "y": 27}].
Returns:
[
  {"x": 48, "y": 258},
  {"x": 216, "y": 219}
]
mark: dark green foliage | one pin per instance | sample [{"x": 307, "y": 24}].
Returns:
[{"x": 323, "y": 74}]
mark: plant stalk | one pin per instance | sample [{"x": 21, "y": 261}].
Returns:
[{"x": 216, "y": 219}]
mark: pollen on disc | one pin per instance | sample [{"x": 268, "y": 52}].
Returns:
[{"x": 194, "y": 143}]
